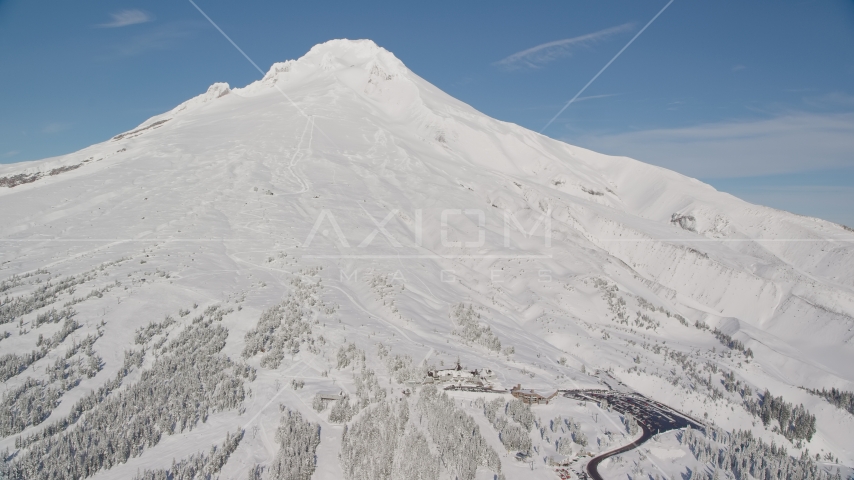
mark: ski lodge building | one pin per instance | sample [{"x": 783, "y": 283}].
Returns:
[{"x": 530, "y": 396}]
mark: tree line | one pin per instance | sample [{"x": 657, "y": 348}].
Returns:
[
  {"x": 33, "y": 401},
  {"x": 187, "y": 382},
  {"x": 456, "y": 435},
  {"x": 198, "y": 466},
  {"x": 470, "y": 328},
  {"x": 840, "y": 398},
  {"x": 283, "y": 329},
  {"x": 513, "y": 435},
  {"x": 298, "y": 440},
  {"x": 12, "y": 364},
  {"x": 793, "y": 422},
  {"x": 382, "y": 444},
  {"x": 746, "y": 457}
]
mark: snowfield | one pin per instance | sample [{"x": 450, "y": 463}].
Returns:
[{"x": 343, "y": 228}]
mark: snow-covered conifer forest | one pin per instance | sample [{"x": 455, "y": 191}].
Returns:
[{"x": 339, "y": 271}]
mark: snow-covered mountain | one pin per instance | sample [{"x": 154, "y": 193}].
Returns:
[{"x": 342, "y": 227}]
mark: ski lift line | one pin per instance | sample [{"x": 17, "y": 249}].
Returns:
[
  {"x": 113, "y": 243},
  {"x": 249, "y": 422},
  {"x": 300, "y": 110},
  {"x": 243, "y": 53},
  {"x": 371, "y": 314},
  {"x": 227, "y": 37},
  {"x": 603, "y": 68}
]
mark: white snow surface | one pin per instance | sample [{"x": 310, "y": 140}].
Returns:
[{"x": 238, "y": 191}]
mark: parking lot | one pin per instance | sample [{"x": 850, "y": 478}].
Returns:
[{"x": 655, "y": 416}]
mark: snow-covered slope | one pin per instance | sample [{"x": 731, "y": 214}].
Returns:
[{"x": 370, "y": 205}]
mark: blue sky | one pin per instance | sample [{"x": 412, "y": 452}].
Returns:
[{"x": 754, "y": 97}]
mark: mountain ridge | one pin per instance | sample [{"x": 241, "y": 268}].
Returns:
[{"x": 346, "y": 169}]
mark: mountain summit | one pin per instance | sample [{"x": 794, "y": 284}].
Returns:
[{"x": 320, "y": 247}]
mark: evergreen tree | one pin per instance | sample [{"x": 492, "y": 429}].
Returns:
[{"x": 298, "y": 440}]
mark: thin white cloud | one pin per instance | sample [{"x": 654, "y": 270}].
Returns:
[
  {"x": 790, "y": 143},
  {"x": 594, "y": 97},
  {"x": 163, "y": 37},
  {"x": 832, "y": 100},
  {"x": 540, "y": 55},
  {"x": 828, "y": 202},
  {"x": 56, "y": 127},
  {"x": 11, "y": 153},
  {"x": 127, "y": 17}
]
